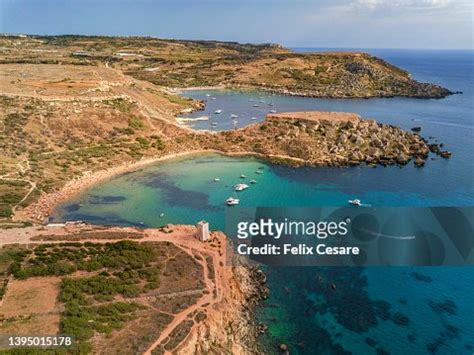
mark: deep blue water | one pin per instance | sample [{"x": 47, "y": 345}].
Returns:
[{"x": 374, "y": 310}]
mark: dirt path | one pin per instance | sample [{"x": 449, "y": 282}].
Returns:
[
  {"x": 22, "y": 169},
  {"x": 181, "y": 237}
]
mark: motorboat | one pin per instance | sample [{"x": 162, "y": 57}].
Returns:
[
  {"x": 259, "y": 172},
  {"x": 213, "y": 124},
  {"x": 255, "y": 105},
  {"x": 355, "y": 202},
  {"x": 272, "y": 111},
  {"x": 240, "y": 187},
  {"x": 253, "y": 118},
  {"x": 217, "y": 179},
  {"x": 234, "y": 116},
  {"x": 243, "y": 176},
  {"x": 218, "y": 112},
  {"x": 253, "y": 181},
  {"x": 162, "y": 214},
  {"x": 231, "y": 201}
]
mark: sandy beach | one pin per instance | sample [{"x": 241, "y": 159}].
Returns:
[{"x": 41, "y": 209}]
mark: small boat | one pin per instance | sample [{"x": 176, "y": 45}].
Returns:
[
  {"x": 253, "y": 118},
  {"x": 231, "y": 201},
  {"x": 253, "y": 181},
  {"x": 355, "y": 202},
  {"x": 214, "y": 124},
  {"x": 255, "y": 105},
  {"x": 234, "y": 116},
  {"x": 272, "y": 111},
  {"x": 217, "y": 112},
  {"x": 259, "y": 172},
  {"x": 213, "y": 98},
  {"x": 243, "y": 176},
  {"x": 208, "y": 95},
  {"x": 241, "y": 187},
  {"x": 262, "y": 101},
  {"x": 217, "y": 179}
]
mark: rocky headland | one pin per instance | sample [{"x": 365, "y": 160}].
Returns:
[{"x": 322, "y": 139}]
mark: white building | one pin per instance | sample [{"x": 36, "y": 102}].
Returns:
[{"x": 203, "y": 231}]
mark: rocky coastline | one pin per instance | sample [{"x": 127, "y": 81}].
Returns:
[{"x": 231, "y": 328}]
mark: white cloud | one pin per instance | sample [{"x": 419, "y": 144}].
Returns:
[{"x": 401, "y": 4}]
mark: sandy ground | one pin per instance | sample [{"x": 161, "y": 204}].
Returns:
[
  {"x": 35, "y": 295},
  {"x": 34, "y": 300}
]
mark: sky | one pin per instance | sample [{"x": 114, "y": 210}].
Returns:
[{"x": 421, "y": 24}]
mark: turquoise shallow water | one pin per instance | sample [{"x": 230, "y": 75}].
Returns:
[
  {"x": 303, "y": 311},
  {"x": 375, "y": 310}
]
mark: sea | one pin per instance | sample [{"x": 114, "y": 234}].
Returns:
[{"x": 375, "y": 310}]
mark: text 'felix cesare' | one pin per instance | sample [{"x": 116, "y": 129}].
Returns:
[{"x": 275, "y": 230}]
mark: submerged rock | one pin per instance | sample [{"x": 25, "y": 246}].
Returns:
[
  {"x": 419, "y": 162},
  {"x": 445, "y": 154}
]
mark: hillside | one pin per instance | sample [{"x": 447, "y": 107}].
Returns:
[{"x": 180, "y": 63}]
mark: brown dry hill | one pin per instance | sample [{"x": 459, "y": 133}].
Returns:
[{"x": 181, "y": 63}]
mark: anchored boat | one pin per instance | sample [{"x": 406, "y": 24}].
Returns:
[
  {"x": 231, "y": 201},
  {"x": 355, "y": 202},
  {"x": 240, "y": 187}
]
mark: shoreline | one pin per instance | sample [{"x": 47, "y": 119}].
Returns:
[
  {"x": 40, "y": 210},
  {"x": 286, "y": 92}
]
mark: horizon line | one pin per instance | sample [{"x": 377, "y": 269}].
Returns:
[{"x": 233, "y": 41}]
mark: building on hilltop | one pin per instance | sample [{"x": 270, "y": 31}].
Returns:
[{"x": 203, "y": 231}]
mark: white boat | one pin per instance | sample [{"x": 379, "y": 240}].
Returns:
[
  {"x": 214, "y": 124},
  {"x": 255, "y": 105},
  {"x": 213, "y": 98},
  {"x": 272, "y": 111},
  {"x": 253, "y": 181},
  {"x": 162, "y": 214},
  {"x": 253, "y": 118},
  {"x": 234, "y": 116},
  {"x": 259, "y": 172},
  {"x": 231, "y": 201},
  {"x": 217, "y": 112},
  {"x": 217, "y": 179},
  {"x": 240, "y": 187},
  {"x": 243, "y": 176},
  {"x": 355, "y": 202},
  {"x": 208, "y": 95}
]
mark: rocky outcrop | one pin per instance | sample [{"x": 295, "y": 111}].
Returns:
[
  {"x": 323, "y": 139},
  {"x": 231, "y": 328}
]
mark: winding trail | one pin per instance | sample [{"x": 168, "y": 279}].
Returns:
[{"x": 182, "y": 237}]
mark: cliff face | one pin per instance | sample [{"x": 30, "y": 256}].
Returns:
[
  {"x": 229, "y": 328},
  {"x": 175, "y": 63}
]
